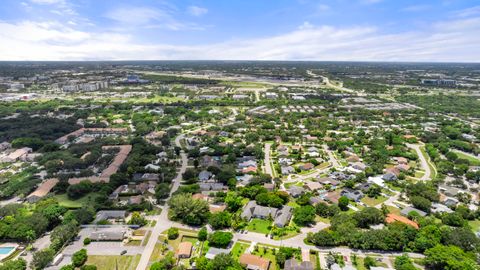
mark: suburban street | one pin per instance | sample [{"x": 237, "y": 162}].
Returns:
[
  {"x": 423, "y": 161},
  {"x": 163, "y": 223},
  {"x": 331, "y": 157},
  {"x": 267, "y": 160}
]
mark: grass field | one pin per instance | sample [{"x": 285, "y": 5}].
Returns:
[
  {"x": 110, "y": 262},
  {"x": 373, "y": 201},
  {"x": 475, "y": 224},
  {"x": 64, "y": 201},
  {"x": 259, "y": 226},
  {"x": 473, "y": 161},
  {"x": 238, "y": 249}
]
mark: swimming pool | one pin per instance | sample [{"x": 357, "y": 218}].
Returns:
[{"x": 6, "y": 250}]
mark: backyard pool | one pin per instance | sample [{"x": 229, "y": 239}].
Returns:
[{"x": 6, "y": 250}]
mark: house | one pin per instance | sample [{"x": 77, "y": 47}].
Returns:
[
  {"x": 306, "y": 167},
  {"x": 152, "y": 167},
  {"x": 110, "y": 215},
  {"x": 393, "y": 170},
  {"x": 135, "y": 199},
  {"x": 312, "y": 186},
  {"x": 212, "y": 252},
  {"x": 328, "y": 181},
  {"x": 269, "y": 186},
  {"x": 401, "y": 160},
  {"x": 205, "y": 176},
  {"x": 212, "y": 187},
  {"x": 405, "y": 211},
  {"x": 448, "y": 190},
  {"x": 4, "y": 146},
  {"x": 292, "y": 264},
  {"x": 295, "y": 191},
  {"x": 184, "y": 250},
  {"x": 253, "y": 262},
  {"x": 391, "y": 218},
  {"x": 449, "y": 201},
  {"x": 353, "y": 158},
  {"x": 403, "y": 167},
  {"x": 244, "y": 179},
  {"x": 354, "y": 195},
  {"x": 108, "y": 234},
  {"x": 250, "y": 169},
  {"x": 281, "y": 217},
  {"x": 42, "y": 190},
  {"x": 332, "y": 196},
  {"x": 359, "y": 166},
  {"x": 286, "y": 170},
  {"x": 389, "y": 177},
  {"x": 440, "y": 208},
  {"x": 17, "y": 154}
]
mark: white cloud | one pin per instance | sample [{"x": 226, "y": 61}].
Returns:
[
  {"x": 370, "y": 2},
  {"x": 130, "y": 17},
  {"x": 135, "y": 15},
  {"x": 455, "y": 40},
  {"x": 48, "y": 2},
  {"x": 416, "y": 8},
  {"x": 468, "y": 12},
  {"x": 197, "y": 11}
]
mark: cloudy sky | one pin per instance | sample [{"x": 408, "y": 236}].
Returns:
[{"x": 358, "y": 30}]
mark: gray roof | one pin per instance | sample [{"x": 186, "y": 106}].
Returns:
[
  {"x": 292, "y": 264},
  {"x": 212, "y": 186},
  {"x": 354, "y": 195},
  {"x": 204, "y": 175},
  {"x": 212, "y": 252},
  {"x": 283, "y": 216},
  {"x": 107, "y": 235},
  {"x": 295, "y": 191},
  {"x": 110, "y": 214}
]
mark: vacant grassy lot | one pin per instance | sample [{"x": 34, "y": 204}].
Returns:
[
  {"x": 239, "y": 248},
  {"x": 64, "y": 201},
  {"x": 373, "y": 201},
  {"x": 111, "y": 262},
  {"x": 259, "y": 226},
  {"x": 473, "y": 161}
]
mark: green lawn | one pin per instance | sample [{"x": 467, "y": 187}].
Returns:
[
  {"x": 373, "y": 201},
  {"x": 393, "y": 210},
  {"x": 111, "y": 262},
  {"x": 238, "y": 249},
  {"x": 64, "y": 201},
  {"x": 475, "y": 224},
  {"x": 267, "y": 253},
  {"x": 473, "y": 161},
  {"x": 259, "y": 226}
]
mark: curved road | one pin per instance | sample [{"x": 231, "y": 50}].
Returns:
[{"x": 423, "y": 161}]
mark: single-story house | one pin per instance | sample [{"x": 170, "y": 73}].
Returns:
[
  {"x": 306, "y": 167},
  {"x": 312, "y": 186},
  {"x": 212, "y": 252},
  {"x": 292, "y": 264},
  {"x": 111, "y": 215},
  {"x": 281, "y": 216},
  {"x": 253, "y": 262},
  {"x": 108, "y": 234},
  {"x": 184, "y": 250},
  {"x": 205, "y": 176},
  {"x": 295, "y": 191},
  {"x": 354, "y": 195}
]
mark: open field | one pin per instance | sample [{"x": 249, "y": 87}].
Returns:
[{"x": 114, "y": 262}]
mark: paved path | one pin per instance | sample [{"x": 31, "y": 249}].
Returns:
[
  {"x": 267, "y": 161},
  {"x": 331, "y": 157},
  {"x": 163, "y": 222},
  {"x": 423, "y": 161}
]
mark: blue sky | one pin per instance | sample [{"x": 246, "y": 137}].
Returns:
[{"x": 359, "y": 30}]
